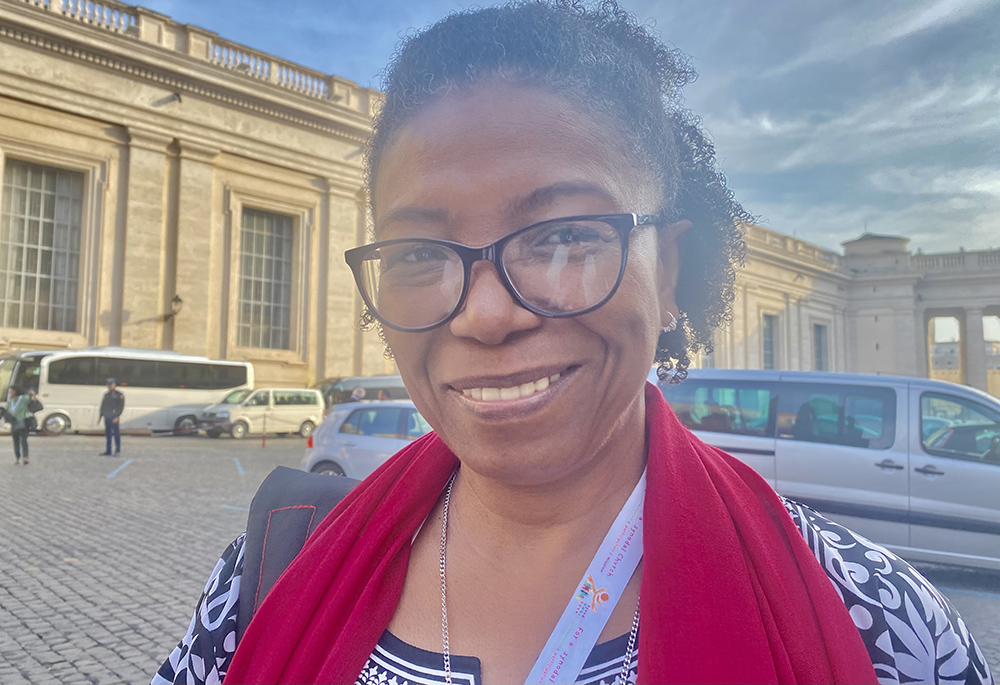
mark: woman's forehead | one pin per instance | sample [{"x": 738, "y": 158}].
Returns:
[{"x": 510, "y": 147}]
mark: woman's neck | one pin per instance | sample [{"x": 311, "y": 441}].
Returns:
[{"x": 576, "y": 506}]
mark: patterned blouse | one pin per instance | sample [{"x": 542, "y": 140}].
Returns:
[{"x": 911, "y": 631}]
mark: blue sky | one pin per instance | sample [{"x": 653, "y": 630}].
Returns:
[{"x": 827, "y": 116}]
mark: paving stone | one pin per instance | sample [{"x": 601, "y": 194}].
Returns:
[{"x": 99, "y": 576}]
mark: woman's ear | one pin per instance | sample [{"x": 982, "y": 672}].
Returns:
[{"x": 668, "y": 269}]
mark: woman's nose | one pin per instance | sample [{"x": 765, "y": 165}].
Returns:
[{"x": 490, "y": 313}]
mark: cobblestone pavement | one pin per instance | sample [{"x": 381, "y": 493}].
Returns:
[{"x": 101, "y": 562}]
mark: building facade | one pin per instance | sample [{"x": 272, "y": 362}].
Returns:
[
  {"x": 165, "y": 188},
  {"x": 876, "y": 308}
]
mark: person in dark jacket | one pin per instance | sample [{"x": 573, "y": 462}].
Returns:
[{"x": 112, "y": 407}]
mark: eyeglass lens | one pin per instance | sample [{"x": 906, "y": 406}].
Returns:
[{"x": 555, "y": 268}]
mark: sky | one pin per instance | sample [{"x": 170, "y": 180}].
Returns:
[{"x": 829, "y": 118}]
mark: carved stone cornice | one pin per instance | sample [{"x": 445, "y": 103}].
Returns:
[{"x": 178, "y": 82}]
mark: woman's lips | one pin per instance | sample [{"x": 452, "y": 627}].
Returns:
[{"x": 499, "y": 402}]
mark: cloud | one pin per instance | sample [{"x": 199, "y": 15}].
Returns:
[
  {"x": 876, "y": 25},
  {"x": 938, "y": 180}
]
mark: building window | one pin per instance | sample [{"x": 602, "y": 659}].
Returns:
[
  {"x": 265, "y": 310},
  {"x": 769, "y": 328},
  {"x": 821, "y": 347},
  {"x": 40, "y": 218}
]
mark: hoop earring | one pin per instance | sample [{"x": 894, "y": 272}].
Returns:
[{"x": 670, "y": 327}]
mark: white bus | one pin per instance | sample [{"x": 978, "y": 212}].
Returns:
[{"x": 164, "y": 391}]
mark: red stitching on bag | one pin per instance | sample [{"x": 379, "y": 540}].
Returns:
[{"x": 263, "y": 551}]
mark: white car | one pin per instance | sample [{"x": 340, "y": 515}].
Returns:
[{"x": 356, "y": 438}]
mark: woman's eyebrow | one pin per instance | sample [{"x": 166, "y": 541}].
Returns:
[{"x": 546, "y": 195}]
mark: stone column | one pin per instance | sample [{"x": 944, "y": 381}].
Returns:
[
  {"x": 906, "y": 345},
  {"x": 344, "y": 216},
  {"x": 142, "y": 253},
  {"x": 197, "y": 329},
  {"x": 975, "y": 349}
]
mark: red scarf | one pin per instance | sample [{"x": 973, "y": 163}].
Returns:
[{"x": 731, "y": 593}]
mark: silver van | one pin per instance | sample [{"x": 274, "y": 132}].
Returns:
[
  {"x": 265, "y": 410},
  {"x": 910, "y": 463}
]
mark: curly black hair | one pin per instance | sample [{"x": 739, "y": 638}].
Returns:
[{"x": 605, "y": 62}]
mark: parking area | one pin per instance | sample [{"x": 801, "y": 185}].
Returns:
[{"x": 103, "y": 558}]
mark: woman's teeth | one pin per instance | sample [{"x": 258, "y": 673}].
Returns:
[{"x": 523, "y": 390}]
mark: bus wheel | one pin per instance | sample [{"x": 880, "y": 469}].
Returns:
[
  {"x": 185, "y": 425},
  {"x": 306, "y": 429},
  {"x": 239, "y": 430},
  {"x": 55, "y": 424},
  {"x": 328, "y": 468}
]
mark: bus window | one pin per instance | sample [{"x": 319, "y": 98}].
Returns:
[
  {"x": 6, "y": 371},
  {"x": 227, "y": 376},
  {"x": 180, "y": 375},
  {"x": 128, "y": 373},
  {"x": 74, "y": 371},
  {"x": 26, "y": 374}
]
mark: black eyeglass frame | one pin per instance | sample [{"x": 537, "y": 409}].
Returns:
[{"x": 622, "y": 223}]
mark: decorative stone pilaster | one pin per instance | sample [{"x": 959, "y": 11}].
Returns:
[{"x": 975, "y": 349}]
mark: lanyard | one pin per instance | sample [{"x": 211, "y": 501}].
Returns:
[
  {"x": 598, "y": 592},
  {"x": 17, "y": 404}
]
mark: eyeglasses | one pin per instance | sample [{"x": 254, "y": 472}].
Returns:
[{"x": 555, "y": 268}]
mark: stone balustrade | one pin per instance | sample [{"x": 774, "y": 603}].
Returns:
[
  {"x": 109, "y": 15},
  {"x": 955, "y": 261},
  {"x": 793, "y": 247},
  {"x": 152, "y": 27}
]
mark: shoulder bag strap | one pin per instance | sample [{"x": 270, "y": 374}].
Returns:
[{"x": 286, "y": 509}]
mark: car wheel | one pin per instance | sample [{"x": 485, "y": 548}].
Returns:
[
  {"x": 239, "y": 430},
  {"x": 213, "y": 433},
  {"x": 306, "y": 429},
  {"x": 55, "y": 424},
  {"x": 186, "y": 425},
  {"x": 328, "y": 468}
]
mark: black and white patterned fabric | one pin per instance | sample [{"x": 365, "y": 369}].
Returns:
[
  {"x": 911, "y": 631},
  {"x": 395, "y": 662}
]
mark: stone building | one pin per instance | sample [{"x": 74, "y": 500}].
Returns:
[
  {"x": 166, "y": 188},
  {"x": 876, "y": 308}
]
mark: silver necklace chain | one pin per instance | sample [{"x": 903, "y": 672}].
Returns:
[{"x": 442, "y": 565}]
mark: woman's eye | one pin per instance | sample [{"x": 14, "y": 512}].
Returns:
[
  {"x": 422, "y": 254},
  {"x": 569, "y": 235}
]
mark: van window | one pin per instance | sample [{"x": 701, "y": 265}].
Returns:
[
  {"x": 855, "y": 416},
  {"x": 724, "y": 407},
  {"x": 293, "y": 397},
  {"x": 954, "y": 427},
  {"x": 236, "y": 396},
  {"x": 261, "y": 399}
]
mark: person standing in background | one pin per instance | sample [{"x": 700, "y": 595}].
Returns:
[
  {"x": 18, "y": 413},
  {"x": 112, "y": 407}
]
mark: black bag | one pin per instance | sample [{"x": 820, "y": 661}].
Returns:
[
  {"x": 286, "y": 509},
  {"x": 31, "y": 423},
  {"x": 35, "y": 405}
]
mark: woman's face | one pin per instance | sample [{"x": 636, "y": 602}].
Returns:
[{"x": 473, "y": 168}]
